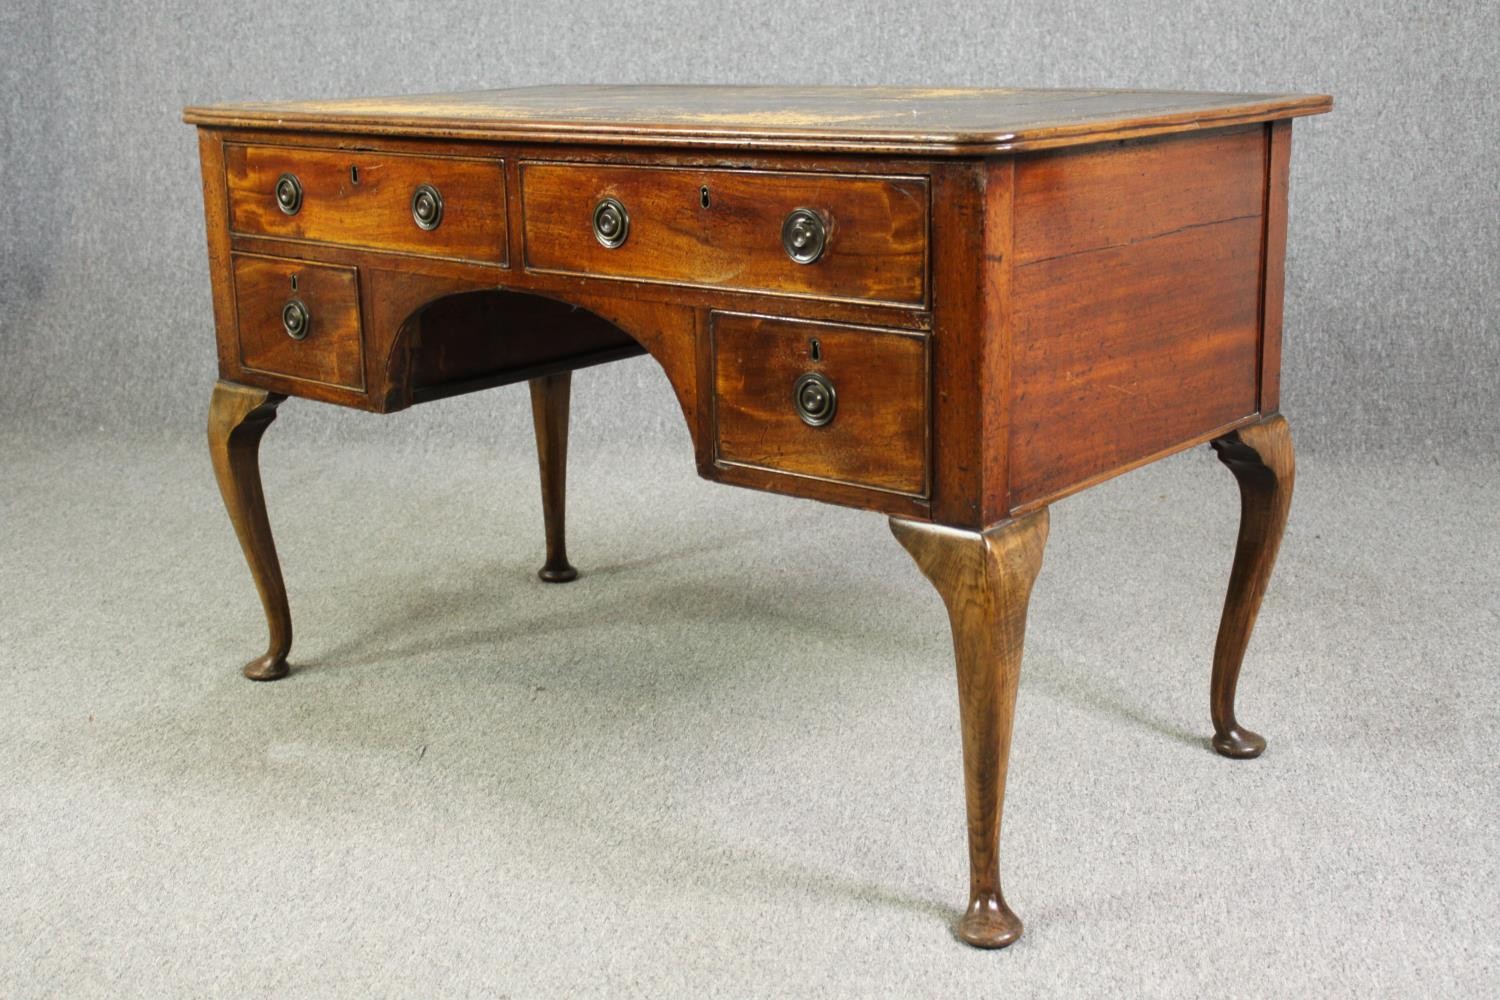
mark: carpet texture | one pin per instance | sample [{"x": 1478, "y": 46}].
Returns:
[{"x": 725, "y": 761}]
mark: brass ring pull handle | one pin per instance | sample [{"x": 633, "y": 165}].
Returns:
[
  {"x": 611, "y": 223},
  {"x": 296, "y": 320},
  {"x": 804, "y": 235},
  {"x": 815, "y": 399},
  {"x": 427, "y": 207},
  {"x": 289, "y": 194}
]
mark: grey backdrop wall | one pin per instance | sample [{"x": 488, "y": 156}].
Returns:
[{"x": 104, "y": 303}]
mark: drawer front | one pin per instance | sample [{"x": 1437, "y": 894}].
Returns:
[
  {"x": 877, "y": 435},
  {"x": 723, "y": 229},
  {"x": 366, "y": 200},
  {"x": 267, "y": 293}
]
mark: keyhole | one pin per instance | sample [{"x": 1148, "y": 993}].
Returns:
[
  {"x": 703, "y": 196},
  {"x": 294, "y": 282},
  {"x": 353, "y": 175},
  {"x": 817, "y": 349}
]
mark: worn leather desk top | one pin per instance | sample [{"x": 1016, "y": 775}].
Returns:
[{"x": 950, "y": 121}]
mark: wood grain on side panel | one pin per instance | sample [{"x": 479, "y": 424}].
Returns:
[
  {"x": 1122, "y": 193},
  {"x": 1136, "y": 304}
]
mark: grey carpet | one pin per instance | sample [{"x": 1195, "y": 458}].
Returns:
[{"x": 725, "y": 762}]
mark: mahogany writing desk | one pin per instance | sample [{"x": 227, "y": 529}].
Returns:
[{"x": 950, "y": 306}]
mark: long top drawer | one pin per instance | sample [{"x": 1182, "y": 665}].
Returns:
[
  {"x": 439, "y": 206},
  {"x": 722, "y": 228}
]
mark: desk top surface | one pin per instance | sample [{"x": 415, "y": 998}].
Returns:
[{"x": 926, "y": 121}]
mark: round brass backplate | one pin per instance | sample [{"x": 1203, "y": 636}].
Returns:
[
  {"x": 815, "y": 399},
  {"x": 426, "y": 207},
  {"x": 289, "y": 194},
  {"x": 296, "y": 320},
  {"x": 611, "y": 222},
  {"x": 804, "y": 235}
]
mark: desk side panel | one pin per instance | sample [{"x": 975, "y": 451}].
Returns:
[{"x": 1135, "y": 304}]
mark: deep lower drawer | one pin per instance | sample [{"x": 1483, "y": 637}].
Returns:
[
  {"x": 840, "y": 403},
  {"x": 439, "y": 206},
  {"x": 299, "y": 320},
  {"x": 860, "y": 238}
]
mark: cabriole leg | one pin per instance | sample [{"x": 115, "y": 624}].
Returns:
[
  {"x": 1261, "y": 458},
  {"x": 549, "y": 412},
  {"x": 985, "y": 580},
  {"x": 237, "y": 417}
]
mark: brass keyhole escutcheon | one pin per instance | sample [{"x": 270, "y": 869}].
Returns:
[
  {"x": 296, "y": 320},
  {"x": 804, "y": 235},
  {"x": 611, "y": 223},
  {"x": 426, "y": 207},
  {"x": 289, "y": 194},
  {"x": 815, "y": 399}
]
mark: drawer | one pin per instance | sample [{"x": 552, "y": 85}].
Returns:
[
  {"x": 724, "y": 229},
  {"x": 272, "y": 294},
  {"x": 368, "y": 200},
  {"x": 873, "y": 430}
]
